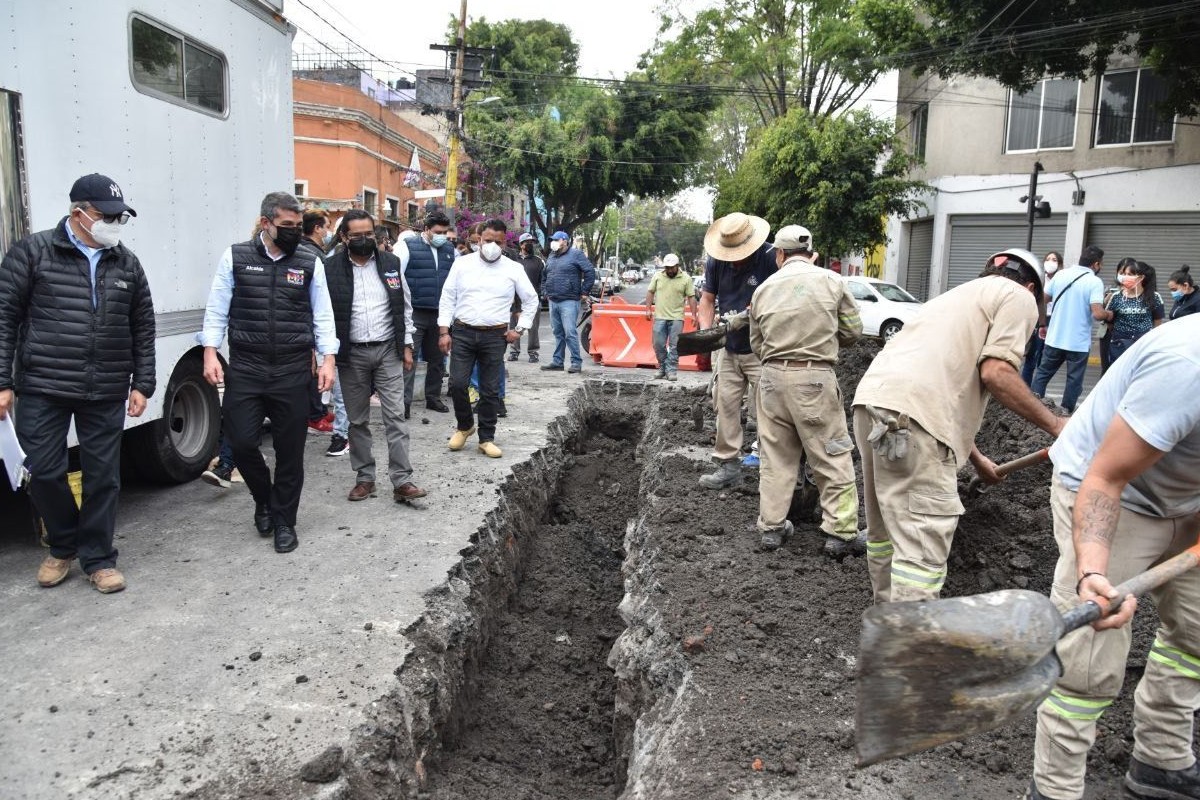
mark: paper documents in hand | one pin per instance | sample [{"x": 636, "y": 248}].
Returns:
[{"x": 11, "y": 453}]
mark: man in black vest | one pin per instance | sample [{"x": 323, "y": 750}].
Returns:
[
  {"x": 534, "y": 267},
  {"x": 426, "y": 261},
  {"x": 271, "y": 296},
  {"x": 76, "y": 314},
  {"x": 373, "y": 319}
]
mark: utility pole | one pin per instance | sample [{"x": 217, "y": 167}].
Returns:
[
  {"x": 455, "y": 113},
  {"x": 1031, "y": 202}
]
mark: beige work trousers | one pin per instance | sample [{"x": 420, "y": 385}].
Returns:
[
  {"x": 736, "y": 375},
  {"x": 912, "y": 511},
  {"x": 1094, "y": 661},
  {"x": 800, "y": 410}
]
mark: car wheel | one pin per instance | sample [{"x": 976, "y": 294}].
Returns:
[{"x": 889, "y": 329}]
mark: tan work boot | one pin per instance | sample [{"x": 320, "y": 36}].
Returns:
[
  {"x": 490, "y": 449},
  {"x": 459, "y": 440},
  {"x": 53, "y": 571},
  {"x": 107, "y": 581}
]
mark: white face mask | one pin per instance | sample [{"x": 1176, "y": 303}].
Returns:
[
  {"x": 106, "y": 234},
  {"x": 489, "y": 251},
  {"x": 556, "y": 245},
  {"x": 474, "y": 247},
  {"x": 327, "y": 238},
  {"x": 1051, "y": 267}
]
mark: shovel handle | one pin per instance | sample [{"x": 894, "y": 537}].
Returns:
[
  {"x": 1030, "y": 460},
  {"x": 1136, "y": 586}
]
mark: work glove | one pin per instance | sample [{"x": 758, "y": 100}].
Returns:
[
  {"x": 738, "y": 321},
  {"x": 889, "y": 435}
]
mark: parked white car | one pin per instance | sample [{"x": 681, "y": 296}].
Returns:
[
  {"x": 885, "y": 307},
  {"x": 698, "y": 284}
]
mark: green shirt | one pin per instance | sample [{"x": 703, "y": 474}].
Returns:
[{"x": 670, "y": 294}]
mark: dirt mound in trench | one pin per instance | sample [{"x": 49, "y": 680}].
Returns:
[{"x": 771, "y": 639}]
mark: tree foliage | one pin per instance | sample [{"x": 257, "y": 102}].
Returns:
[
  {"x": 839, "y": 177},
  {"x": 583, "y": 146},
  {"x": 533, "y": 58},
  {"x": 1018, "y": 44}
]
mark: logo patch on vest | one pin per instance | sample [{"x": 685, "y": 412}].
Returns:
[
  {"x": 252, "y": 268},
  {"x": 295, "y": 277},
  {"x": 752, "y": 281},
  {"x": 392, "y": 279}
]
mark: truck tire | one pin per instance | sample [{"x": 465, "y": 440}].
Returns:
[{"x": 177, "y": 447}]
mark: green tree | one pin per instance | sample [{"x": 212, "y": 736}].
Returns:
[
  {"x": 533, "y": 59},
  {"x": 839, "y": 177},
  {"x": 1018, "y": 44}
]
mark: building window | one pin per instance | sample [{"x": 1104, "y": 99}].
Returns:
[
  {"x": 412, "y": 213},
  {"x": 920, "y": 125},
  {"x": 393, "y": 208},
  {"x": 172, "y": 67},
  {"x": 1127, "y": 111},
  {"x": 370, "y": 201},
  {"x": 301, "y": 188},
  {"x": 1044, "y": 117}
]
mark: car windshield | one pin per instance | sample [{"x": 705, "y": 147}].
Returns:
[{"x": 891, "y": 291}]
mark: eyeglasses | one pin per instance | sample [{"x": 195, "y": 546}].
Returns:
[{"x": 119, "y": 219}]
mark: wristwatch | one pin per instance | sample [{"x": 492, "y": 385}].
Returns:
[{"x": 520, "y": 331}]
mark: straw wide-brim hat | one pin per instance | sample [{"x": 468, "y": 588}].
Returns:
[{"x": 735, "y": 236}]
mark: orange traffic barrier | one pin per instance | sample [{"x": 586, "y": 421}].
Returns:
[{"x": 623, "y": 336}]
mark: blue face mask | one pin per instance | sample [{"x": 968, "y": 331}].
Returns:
[
  {"x": 438, "y": 239},
  {"x": 1176, "y": 295}
]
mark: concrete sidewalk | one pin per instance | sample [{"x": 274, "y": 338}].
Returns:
[{"x": 223, "y": 660}]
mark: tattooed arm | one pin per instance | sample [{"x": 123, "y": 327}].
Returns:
[{"x": 1123, "y": 455}]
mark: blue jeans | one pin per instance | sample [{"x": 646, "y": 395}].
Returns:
[
  {"x": 1052, "y": 359},
  {"x": 341, "y": 421},
  {"x": 564, "y": 316},
  {"x": 1033, "y": 354},
  {"x": 666, "y": 332}
]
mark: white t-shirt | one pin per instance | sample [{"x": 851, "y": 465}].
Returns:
[
  {"x": 1071, "y": 323},
  {"x": 1155, "y": 388}
]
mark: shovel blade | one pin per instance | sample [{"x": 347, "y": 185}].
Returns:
[{"x": 934, "y": 672}]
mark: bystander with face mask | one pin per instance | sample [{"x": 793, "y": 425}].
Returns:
[{"x": 1183, "y": 292}]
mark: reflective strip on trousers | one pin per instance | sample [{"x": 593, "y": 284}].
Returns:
[
  {"x": 910, "y": 575},
  {"x": 1185, "y": 664},
  {"x": 1076, "y": 707},
  {"x": 882, "y": 549}
]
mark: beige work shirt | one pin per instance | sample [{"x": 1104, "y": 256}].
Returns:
[
  {"x": 930, "y": 370},
  {"x": 801, "y": 313}
]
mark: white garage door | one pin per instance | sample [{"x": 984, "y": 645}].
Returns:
[
  {"x": 975, "y": 237},
  {"x": 920, "y": 256},
  {"x": 1163, "y": 240}
]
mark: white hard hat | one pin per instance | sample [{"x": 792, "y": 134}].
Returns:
[{"x": 1028, "y": 258}]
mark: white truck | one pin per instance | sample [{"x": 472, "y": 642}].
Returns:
[{"x": 188, "y": 106}]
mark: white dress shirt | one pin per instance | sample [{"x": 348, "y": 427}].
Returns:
[
  {"x": 216, "y": 314},
  {"x": 479, "y": 293},
  {"x": 370, "y": 310},
  {"x": 400, "y": 251}
]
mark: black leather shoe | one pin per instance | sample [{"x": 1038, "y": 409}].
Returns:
[
  {"x": 502, "y": 411},
  {"x": 1145, "y": 781},
  {"x": 262, "y": 520},
  {"x": 435, "y": 404},
  {"x": 407, "y": 410},
  {"x": 285, "y": 539}
]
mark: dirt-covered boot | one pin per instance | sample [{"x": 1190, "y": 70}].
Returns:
[
  {"x": 1033, "y": 793},
  {"x": 773, "y": 538},
  {"x": 840, "y": 548},
  {"x": 1145, "y": 781},
  {"x": 727, "y": 476}
]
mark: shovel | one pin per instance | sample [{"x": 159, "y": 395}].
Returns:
[
  {"x": 977, "y": 487},
  {"x": 937, "y": 671}
]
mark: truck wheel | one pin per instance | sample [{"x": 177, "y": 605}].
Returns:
[{"x": 178, "y": 447}]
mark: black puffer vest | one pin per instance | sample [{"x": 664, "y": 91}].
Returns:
[
  {"x": 270, "y": 315},
  {"x": 339, "y": 274}
]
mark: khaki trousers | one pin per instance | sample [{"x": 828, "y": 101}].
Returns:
[
  {"x": 1094, "y": 661},
  {"x": 800, "y": 410},
  {"x": 912, "y": 511},
  {"x": 736, "y": 374}
]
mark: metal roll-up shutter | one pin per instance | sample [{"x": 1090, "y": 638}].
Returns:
[
  {"x": 975, "y": 237},
  {"x": 920, "y": 258},
  {"x": 1164, "y": 240}
]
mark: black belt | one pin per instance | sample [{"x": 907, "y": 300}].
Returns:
[
  {"x": 371, "y": 344},
  {"x": 503, "y": 326},
  {"x": 792, "y": 364}
]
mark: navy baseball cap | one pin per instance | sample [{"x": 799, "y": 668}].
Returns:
[
  {"x": 560, "y": 236},
  {"x": 102, "y": 193}
]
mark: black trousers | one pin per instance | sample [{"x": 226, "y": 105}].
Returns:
[
  {"x": 425, "y": 341},
  {"x": 284, "y": 399},
  {"x": 42, "y": 424},
  {"x": 316, "y": 409},
  {"x": 468, "y": 348}
]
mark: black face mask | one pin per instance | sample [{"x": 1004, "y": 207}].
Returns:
[
  {"x": 361, "y": 245},
  {"x": 287, "y": 239}
]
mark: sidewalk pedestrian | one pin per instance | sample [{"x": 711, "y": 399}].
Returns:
[
  {"x": 569, "y": 279},
  {"x": 426, "y": 260},
  {"x": 666, "y": 297},
  {"x": 1078, "y": 295}
]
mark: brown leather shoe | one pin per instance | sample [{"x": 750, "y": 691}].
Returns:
[
  {"x": 107, "y": 581},
  {"x": 53, "y": 571},
  {"x": 407, "y": 491},
  {"x": 362, "y": 491}
]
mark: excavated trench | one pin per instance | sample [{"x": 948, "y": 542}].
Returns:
[{"x": 615, "y": 631}]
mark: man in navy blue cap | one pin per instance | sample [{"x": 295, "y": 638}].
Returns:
[
  {"x": 568, "y": 279},
  {"x": 75, "y": 303}
]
